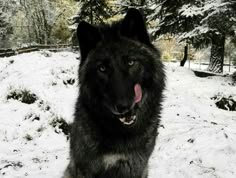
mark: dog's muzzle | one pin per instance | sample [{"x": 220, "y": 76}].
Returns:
[{"x": 129, "y": 117}]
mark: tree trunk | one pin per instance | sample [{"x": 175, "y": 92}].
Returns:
[
  {"x": 217, "y": 54},
  {"x": 185, "y": 56},
  {"x": 91, "y": 15}
]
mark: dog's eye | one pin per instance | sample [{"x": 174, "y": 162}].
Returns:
[
  {"x": 131, "y": 62},
  {"x": 102, "y": 68}
]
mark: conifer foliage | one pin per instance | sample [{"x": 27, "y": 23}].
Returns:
[
  {"x": 201, "y": 23},
  {"x": 94, "y": 11}
]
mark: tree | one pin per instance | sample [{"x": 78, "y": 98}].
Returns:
[
  {"x": 65, "y": 9},
  {"x": 3, "y": 30},
  {"x": 220, "y": 20},
  {"x": 5, "y": 27},
  {"x": 200, "y": 23},
  {"x": 138, "y": 4},
  {"x": 37, "y": 21},
  {"x": 43, "y": 21},
  {"x": 144, "y": 6},
  {"x": 173, "y": 23},
  {"x": 93, "y": 11},
  {"x": 217, "y": 23},
  {"x": 98, "y": 11},
  {"x": 40, "y": 15}
]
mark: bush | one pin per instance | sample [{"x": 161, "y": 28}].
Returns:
[
  {"x": 226, "y": 103},
  {"x": 32, "y": 117},
  {"x": 166, "y": 57},
  {"x": 43, "y": 105},
  {"x": 24, "y": 96},
  {"x": 61, "y": 124},
  {"x": 70, "y": 81},
  {"x": 28, "y": 137}
]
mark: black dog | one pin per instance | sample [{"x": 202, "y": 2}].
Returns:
[{"x": 117, "y": 112}]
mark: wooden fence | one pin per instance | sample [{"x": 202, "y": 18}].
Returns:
[{"x": 57, "y": 47}]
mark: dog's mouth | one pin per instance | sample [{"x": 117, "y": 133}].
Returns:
[{"x": 129, "y": 118}]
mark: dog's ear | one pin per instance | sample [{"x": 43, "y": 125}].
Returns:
[
  {"x": 88, "y": 37},
  {"x": 133, "y": 26}
]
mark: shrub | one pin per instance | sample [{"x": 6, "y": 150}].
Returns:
[
  {"x": 24, "y": 96},
  {"x": 70, "y": 81},
  {"x": 28, "y": 137},
  {"x": 61, "y": 124},
  {"x": 32, "y": 117},
  {"x": 226, "y": 103}
]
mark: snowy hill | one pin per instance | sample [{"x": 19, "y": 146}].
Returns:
[{"x": 37, "y": 95}]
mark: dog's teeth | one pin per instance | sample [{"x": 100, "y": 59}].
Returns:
[
  {"x": 129, "y": 122},
  {"x": 134, "y": 117},
  {"x": 122, "y": 119}
]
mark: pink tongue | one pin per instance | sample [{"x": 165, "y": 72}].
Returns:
[{"x": 138, "y": 93}]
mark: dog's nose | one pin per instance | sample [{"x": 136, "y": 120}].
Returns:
[{"x": 122, "y": 108}]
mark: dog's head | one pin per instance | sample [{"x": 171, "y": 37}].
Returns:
[{"x": 117, "y": 66}]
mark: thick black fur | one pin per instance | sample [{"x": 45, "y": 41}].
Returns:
[{"x": 101, "y": 146}]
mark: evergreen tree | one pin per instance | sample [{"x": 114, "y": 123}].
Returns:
[
  {"x": 94, "y": 11},
  {"x": 217, "y": 22},
  {"x": 221, "y": 22},
  {"x": 173, "y": 22},
  {"x": 200, "y": 23},
  {"x": 144, "y": 6}
]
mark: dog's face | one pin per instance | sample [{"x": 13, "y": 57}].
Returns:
[
  {"x": 118, "y": 64},
  {"x": 119, "y": 75}
]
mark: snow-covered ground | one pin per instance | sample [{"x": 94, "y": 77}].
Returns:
[
  {"x": 196, "y": 138},
  {"x": 196, "y": 65}
]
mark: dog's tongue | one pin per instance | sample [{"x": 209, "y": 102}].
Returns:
[{"x": 138, "y": 93}]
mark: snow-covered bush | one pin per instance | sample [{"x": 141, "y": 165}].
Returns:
[
  {"x": 60, "y": 125},
  {"x": 24, "y": 96},
  {"x": 224, "y": 102}
]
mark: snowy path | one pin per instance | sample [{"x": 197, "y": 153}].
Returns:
[{"x": 196, "y": 138}]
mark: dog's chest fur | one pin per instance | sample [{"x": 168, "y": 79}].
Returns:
[{"x": 110, "y": 160}]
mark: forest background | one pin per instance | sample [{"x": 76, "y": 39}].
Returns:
[{"x": 198, "y": 30}]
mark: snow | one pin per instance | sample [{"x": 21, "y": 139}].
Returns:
[
  {"x": 195, "y": 32},
  {"x": 47, "y": 152},
  {"x": 190, "y": 10},
  {"x": 196, "y": 139}
]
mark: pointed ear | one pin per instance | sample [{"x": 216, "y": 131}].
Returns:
[
  {"x": 88, "y": 37},
  {"x": 133, "y": 26}
]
